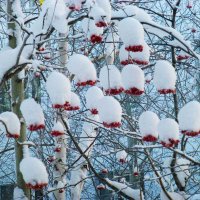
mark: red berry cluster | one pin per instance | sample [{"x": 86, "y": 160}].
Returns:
[
  {"x": 180, "y": 57},
  {"x": 112, "y": 125},
  {"x": 167, "y": 91},
  {"x": 89, "y": 82},
  {"x": 74, "y": 7},
  {"x": 134, "y": 91},
  {"x": 134, "y": 48},
  {"x": 15, "y": 136},
  {"x": 51, "y": 158},
  {"x": 140, "y": 62},
  {"x": 71, "y": 108},
  {"x": 94, "y": 111},
  {"x": 101, "y": 187},
  {"x": 36, "y": 127},
  {"x": 126, "y": 62},
  {"x": 114, "y": 91},
  {"x": 190, "y": 133},
  {"x": 57, "y": 133},
  {"x": 101, "y": 24},
  {"x": 122, "y": 160},
  {"x": 149, "y": 138},
  {"x": 37, "y": 186},
  {"x": 96, "y": 39},
  {"x": 104, "y": 171},
  {"x": 171, "y": 143},
  {"x": 57, "y": 149}
]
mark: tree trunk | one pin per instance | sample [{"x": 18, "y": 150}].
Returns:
[
  {"x": 60, "y": 165},
  {"x": 17, "y": 93}
]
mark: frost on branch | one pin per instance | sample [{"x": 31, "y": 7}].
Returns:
[
  {"x": 132, "y": 34},
  {"x": 77, "y": 182},
  {"x": 173, "y": 195},
  {"x": 78, "y": 174},
  {"x": 74, "y": 103},
  {"x": 59, "y": 89},
  {"x": 130, "y": 192},
  {"x": 111, "y": 46},
  {"x": 33, "y": 114},
  {"x": 165, "y": 77},
  {"x": 34, "y": 171},
  {"x": 7, "y": 63},
  {"x": 121, "y": 156},
  {"x": 83, "y": 69},
  {"x": 148, "y": 123},
  {"x": 182, "y": 170},
  {"x": 88, "y": 135},
  {"x": 189, "y": 119},
  {"x": 93, "y": 95},
  {"x": 110, "y": 112},
  {"x": 133, "y": 11},
  {"x": 19, "y": 194},
  {"x": 110, "y": 79},
  {"x": 93, "y": 33},
  {"x": 12, "y": 124},
  {"x": 53, "y": 13},
  {"x": 58, "y": 129},
  {"x": 168, "y": 131},
  {"x": 133, "y": 80}
]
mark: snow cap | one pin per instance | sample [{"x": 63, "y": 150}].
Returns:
[
  {"x": 59, "y": 89},
  {"x": 33, "y": 114},
  {"x": 12, "y": 123},
  {"x": 189, "y": 118}
]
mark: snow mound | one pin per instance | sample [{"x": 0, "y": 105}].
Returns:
[
  {"x": 101, "y": 12},
  {"x": 164, "y": 77},
  {"x": 132, "y": 34},
  {"x": 92, "y": 32},
  {"x": 12, "y": 124},
  {"x": 189, "y": 118},
  {"x": 59, "y": 89},
  {"x": 148, "y": 122},
  {"x": 133, "y": 80},
  {"x": 34, "y": 173},
  {"x": 125, "y": 56},
  {"x": 110, "y": 112},
  {"x": 74, "y": 103},
  {"x": 19, "y": 194},
  {"x": 57, "y": 129},
  {"x": 173, "y": 195},
  {"x": 110, "y": 79},
  {"x": 121, "y": 156},
  {"x": 133, "y": 193},
  {"x": 83, "y": 69},
  {"x": 93, "y": 95},
  {"x": 142, "y": 58},
  {"x": 168, "y": 131},
  {"x": 182, "y": 170},
  {"x": 33, "y": 114}
]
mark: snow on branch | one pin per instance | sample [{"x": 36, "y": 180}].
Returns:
[{"x": 130, "y": 192}]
